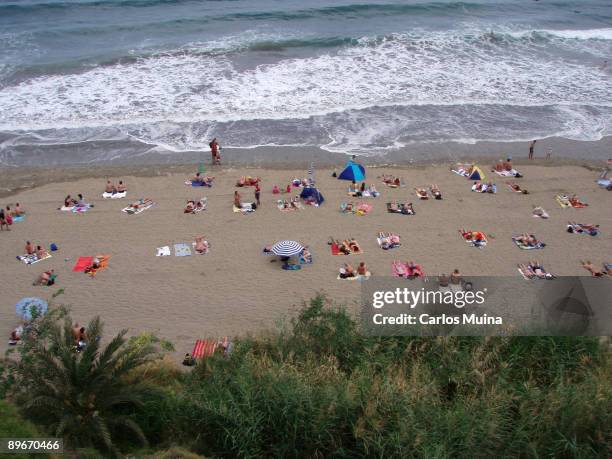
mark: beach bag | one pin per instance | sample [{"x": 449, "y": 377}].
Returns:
[{"x": 53, "y": 247}]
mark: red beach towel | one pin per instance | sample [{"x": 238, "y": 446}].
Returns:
[
  {"x": 203, "y": 348},
  {"x": 82, "y": 264}
]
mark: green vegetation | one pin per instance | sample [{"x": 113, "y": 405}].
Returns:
[{"x": 320, "y": 388}]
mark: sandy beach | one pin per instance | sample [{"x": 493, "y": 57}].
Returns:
[{"x": 234, "y": 289}]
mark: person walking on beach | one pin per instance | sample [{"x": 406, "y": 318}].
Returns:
[
  {"x": 257, "y": 193},
  {"x": 214, "y": 151},
  {"x": 531, "y": 147}
]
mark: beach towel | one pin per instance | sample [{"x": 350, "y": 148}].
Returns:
[
  {"x": 358, "y": 277},
  {"x": 581, "y": 228},
  {"x": 82, "y": 264},
  {"x": 605, "y": 183},
  {"x": 163, "y": 251},
  {"x": 31, "y": 259},
  {"x": 521, "y": 245},
  {"x": 370, "y": 194},
  {"x": 363, "y": 209},
  {"x": 66, "y": 208},
  {"x": 194, "y": 183},
  {"x": 121, "y": 195},
  {"x": 291, "y": 267},
  {"x": 141, "y": 207},
  {"x": 204, "y": 348},
  {"x": 247, "y": 207},
  {"x": 399, "y": 269},
  {"x": 563, "y": 201},
  {"x": 19, "y": 218},
  {"x": 182, "y": 250},
  {"x": 538, "y": 210},
  {"x": 510, "y": 173}
]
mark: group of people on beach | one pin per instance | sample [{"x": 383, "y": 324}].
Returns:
[
  {"x": 7, "y": 216},
  {"x": 112, "y": 189}
]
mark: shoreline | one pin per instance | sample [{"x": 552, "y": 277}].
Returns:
[{"x": 18, "y": 179}]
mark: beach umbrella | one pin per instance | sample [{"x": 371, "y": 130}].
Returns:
[
  {"x": 25, "y": 306},
  {"x": 287, "y": 248}
]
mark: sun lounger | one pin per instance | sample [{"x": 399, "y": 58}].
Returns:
[
  {"x": 31, "y": 259},
  {"x": 121, "y": 195},
  {"x": 182, "y": 250},
  {"x": 521, "y": 245}
]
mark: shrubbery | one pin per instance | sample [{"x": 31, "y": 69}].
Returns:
[{"x": 320, "y": 388}]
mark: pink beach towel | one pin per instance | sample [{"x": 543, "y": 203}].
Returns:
[{"x": 204, "y": 348}]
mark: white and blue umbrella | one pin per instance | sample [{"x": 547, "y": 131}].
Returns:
[
  {"x": 287, "y": 248},
  {"x": 26, "y": 306}
]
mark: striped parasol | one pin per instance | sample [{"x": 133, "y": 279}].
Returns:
[{"x": 287, "y": 248}]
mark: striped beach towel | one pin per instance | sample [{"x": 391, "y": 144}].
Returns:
[{"x": 204, "y": 348}]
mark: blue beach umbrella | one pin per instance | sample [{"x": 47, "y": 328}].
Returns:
[
  {"x": 287, "y": 248},
  {"x": 25, "y": 306}
]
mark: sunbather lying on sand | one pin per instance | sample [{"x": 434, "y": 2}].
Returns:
[
  {"x": 141, "y": 203},
  {"x": 534, "y": 270},
  {"x": 539, "y": 212},
  {"x": 414, "y": 270},
  {"x": 201, "y": 245},
  {"x": 582, "y": 228},
  {"x": 421, "y": 193},
  {"x": 575, "y": 202},
  {"x": 343, "y": 247},
  {"x": 16, "y": 335},
  {"x": 391, "y": 180},
  {"x": 516, "y": 188},
  {"x": 591, "y": 268},
  {"x": 435, "y": 191},
  {"x": 95, "y": 264},
  {"x": 388, "y": 240},
  {"x": 190, "y": 207},
  {"x": 46, "y": 278},
  {"x": 354, "y": 245},
  {"x": 475, "y": 237},
  {"x": 198, "y": 178},
  {"x": 399, "y": 208},
  {"x": 69, "y": 201},
  {"x": 248, "y": 181},
  {"x": 528, "y": 240}
]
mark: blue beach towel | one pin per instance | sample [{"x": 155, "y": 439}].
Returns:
[{"x": 182, "y": 250}]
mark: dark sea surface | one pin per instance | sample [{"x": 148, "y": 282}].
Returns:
[{"x": 127, "y": 77}]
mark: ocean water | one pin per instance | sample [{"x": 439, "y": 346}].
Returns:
[{"x": 357, "y": 77}]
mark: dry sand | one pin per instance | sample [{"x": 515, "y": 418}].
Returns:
[{"x": 234, "y": 289}]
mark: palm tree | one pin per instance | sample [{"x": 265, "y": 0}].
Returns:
[{"x": 82, "y": 397}]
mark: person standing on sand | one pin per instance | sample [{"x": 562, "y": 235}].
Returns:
[
  {"x": 257, "y": 193},
  {"x": 214, "y": 151},
  {"x": 531, "y": 147}
]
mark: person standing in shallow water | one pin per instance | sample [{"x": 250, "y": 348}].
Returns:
[
  {"x": 214, "y": 151},
  {"x": 531, "y": 147}
]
